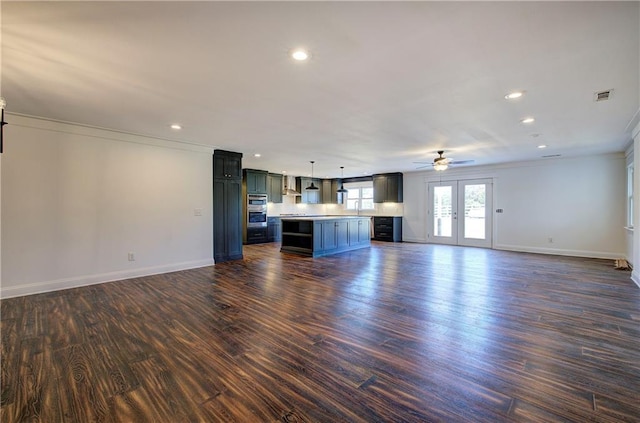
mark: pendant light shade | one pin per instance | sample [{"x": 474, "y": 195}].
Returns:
[
  {"x": 342, "y": 189},
  {"x": 312, "y": 187}
]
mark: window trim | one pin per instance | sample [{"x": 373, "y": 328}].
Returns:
[{"x": 359, "y": 185}]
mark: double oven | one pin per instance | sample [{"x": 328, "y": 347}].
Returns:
[
  {"x": 256, "y": 211},
  {"x": 255, "y": 219}
]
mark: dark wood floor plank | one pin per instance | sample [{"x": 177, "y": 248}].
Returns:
[
  {"x": 77, "y": 375},
  {"x": 395, "y": 333},
  {"x": 10, "y": 358}
]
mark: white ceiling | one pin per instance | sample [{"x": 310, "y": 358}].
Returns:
[{"x": 388, "y": 84}]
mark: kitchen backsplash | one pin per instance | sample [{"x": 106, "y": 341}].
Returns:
[{"x": 289, "y": 206}]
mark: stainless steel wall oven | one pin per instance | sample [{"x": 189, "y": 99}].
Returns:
[{"x": 256, "y": 211}]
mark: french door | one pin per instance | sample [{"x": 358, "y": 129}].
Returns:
[{"x": 459, "y": 212}]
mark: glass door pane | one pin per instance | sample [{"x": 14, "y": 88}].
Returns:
[
  {"x": 474, "y": 211},
  {"x": 476, "y": 201},
  {"x": 443, "y": 227},
  {"x": 442, "y": 211}
]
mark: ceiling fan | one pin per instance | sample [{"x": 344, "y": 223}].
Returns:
[{"x": 441, "y": 162}]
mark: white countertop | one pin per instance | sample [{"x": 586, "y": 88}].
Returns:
[{"x": 334, "y": 216}]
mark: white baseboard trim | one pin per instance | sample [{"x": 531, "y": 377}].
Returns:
[
  {"x": 540, "y": 250},
  {"x": 417, "y": 240},
  {"x": 635, "y": 278},
  {"x": 86, "y": 280},
  {"x": 559, "y": 251}
]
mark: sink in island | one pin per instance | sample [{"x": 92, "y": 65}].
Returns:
[{"x": 317, "y": 236}]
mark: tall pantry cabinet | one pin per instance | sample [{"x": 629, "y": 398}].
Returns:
[{"x": 227, "y": 206}]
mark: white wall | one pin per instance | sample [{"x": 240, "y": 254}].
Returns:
[
  {"x": 77, "y": 200},
  {"x": 579, "y": 202}
]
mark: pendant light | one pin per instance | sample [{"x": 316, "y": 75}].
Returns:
[
  {"x": 2, "y": 122},
  {"x": 342, "y": 189},
  {"x": 312, "y": 187}
]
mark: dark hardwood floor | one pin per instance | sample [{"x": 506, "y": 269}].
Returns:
[{"x": 394, "y": 333}]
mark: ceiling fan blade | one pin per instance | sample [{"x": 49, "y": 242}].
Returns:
[
  {"x": 457, "y": 162},
  {"x": 421, "y": 162},
  {"x": 425, "y": 166}
]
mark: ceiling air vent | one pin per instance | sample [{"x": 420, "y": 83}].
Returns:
[{"x": 602, "y": 95}]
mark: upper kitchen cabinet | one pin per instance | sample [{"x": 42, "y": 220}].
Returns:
[
  {"x": 227, "y": 165},
  {"x": 330, "y": 194},
  {"x": 274, "y": 184},
  {"x": 387, "y": 188},
  {"x": 256, "y": 181},
  {"x": 308, "y": 196}
]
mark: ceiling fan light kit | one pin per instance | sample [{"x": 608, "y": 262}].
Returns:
[
  {"x": 442, "y": 163},
  {"x": 440, "y": 166}
]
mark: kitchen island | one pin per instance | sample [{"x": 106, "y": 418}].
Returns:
[{"x": 317, "y": 236}]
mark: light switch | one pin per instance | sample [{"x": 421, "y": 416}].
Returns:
[{"x": 197, "y": 212}]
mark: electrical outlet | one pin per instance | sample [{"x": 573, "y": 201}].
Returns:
[{"x": 132, "y": 257}]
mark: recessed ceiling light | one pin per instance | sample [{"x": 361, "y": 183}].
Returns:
[
  {"x": 300, "y": 54},
  {"x": 542, "y": 146},
  {"x": 515, "y": 94},
  {"x": 257, "y": 155},
  {"x": 176, "y": 127},
  {"x": 528, "y": 120}
]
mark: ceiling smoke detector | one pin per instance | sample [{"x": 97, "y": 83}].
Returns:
[{"x": 603, "y": 95}]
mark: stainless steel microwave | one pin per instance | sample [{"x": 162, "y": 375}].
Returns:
[{"x": 257, "y": 200}]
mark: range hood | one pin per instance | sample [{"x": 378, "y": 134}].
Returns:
[{"x": 290, "y": 186}]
